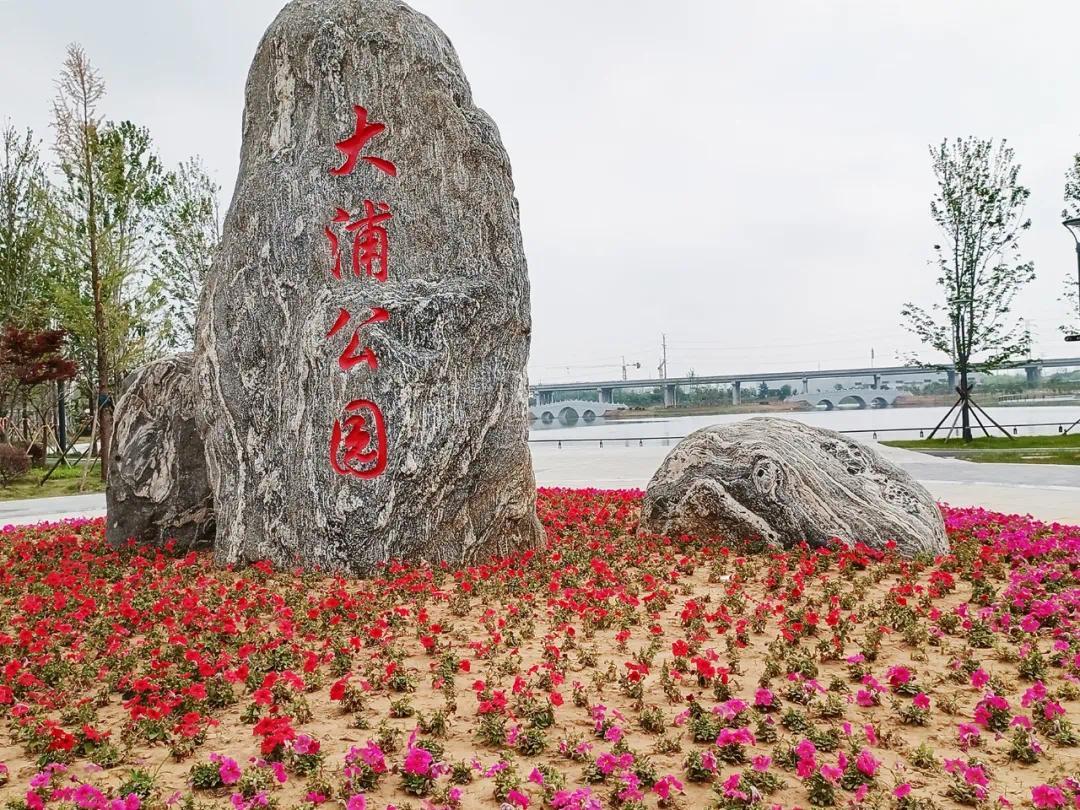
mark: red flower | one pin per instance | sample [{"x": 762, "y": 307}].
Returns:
[
  {"x": 337, "y": 689},
  {"x": 61, "y": 740}
]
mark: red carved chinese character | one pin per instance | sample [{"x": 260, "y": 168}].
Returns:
[
  {"x": 351, "y": 451},
  {"x": 371, "y": 247},
  {"x": 351, "y": 357},
  {"x": 351, "y": 146}
]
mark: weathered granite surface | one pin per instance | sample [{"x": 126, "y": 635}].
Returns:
[
  {"x": 458, "y": 483},
  {"x": 785, "y": 482},
  {"x": 157, "y": 488}
]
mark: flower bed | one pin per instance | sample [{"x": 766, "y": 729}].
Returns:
[{"x": 608, "y": 670}]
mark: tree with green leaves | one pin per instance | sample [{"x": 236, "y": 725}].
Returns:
[
  {"x": 189, "y": 231},
  {"x": 102, "y": 228},
  {"x": 23, "y": 201},
  {"x": 979, "y": 209}
]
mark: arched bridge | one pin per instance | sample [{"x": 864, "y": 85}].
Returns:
[
  {"x": 860, "y": 397},
  {"x": 569, "y": 411}
]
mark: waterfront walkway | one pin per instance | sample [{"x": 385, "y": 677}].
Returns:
[{"x": 1049, "y": 492}]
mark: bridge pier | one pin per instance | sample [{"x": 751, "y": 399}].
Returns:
[
  {"x": 806, "y": 385},
  {"x": 1034, "y": 376},
  {"x": 670, "y": 397},
  {"x": 877, "y": 381},
  {"x": 951, "y": 377},
  {"x": 606, "y": 395},
  {"x": 736, "y": 393}
]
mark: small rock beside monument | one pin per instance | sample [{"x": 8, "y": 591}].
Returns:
[
  {"x": 157, "y": 487},
  {"x": 785, "y": 483}
]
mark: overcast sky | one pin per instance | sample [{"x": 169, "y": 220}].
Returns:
[{"x": 751, "y": 179}]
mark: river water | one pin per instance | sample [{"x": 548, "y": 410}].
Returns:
[{"x": 886, "y": 423}]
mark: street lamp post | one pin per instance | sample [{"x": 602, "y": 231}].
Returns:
[{"x": 1074, "y": 228}]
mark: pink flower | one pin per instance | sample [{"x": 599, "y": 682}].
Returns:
[
  {"x": 731, "y": 787},
  {"x": 1033, "y": 695},
  {"x": 866, "y": 763},
  {"x": 373, "y": 756},
  {"x": 356, "y": 802},
  {"x": 969, "y": 735},
  {"x": 921, "y": 701},
  {"x": 1047, "y": 796},
  {"x": 763, "y": 698},
  {"x": 516, "y": 797},
  {"x": 832, "y": 772},
  {"x": 229, "y": 771},
  {"x": 303, "y": 744},
  {"x": 708, "y": 760},
  {"x": 665, "y": 785},
  {"x": 418, "y": 761},
  {"x": 1052, "y": 709},
  {"x": 898, "y": 676},
  {"x": 979, "y": 678},
  {"x": 761, "y": 763},
  {"x": 902, "y": 790}
]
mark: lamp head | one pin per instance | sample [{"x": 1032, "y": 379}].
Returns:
[{"x": 1074, "y": 228}]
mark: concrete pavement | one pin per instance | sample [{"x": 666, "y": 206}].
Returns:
[
  {"x": 1049, "y": 492},
  {"x": 36, "y": 510}
]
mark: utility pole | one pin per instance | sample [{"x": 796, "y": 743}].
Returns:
[
  {"x": 625, "y": 365},
  {"x": 663, "y": 363}
]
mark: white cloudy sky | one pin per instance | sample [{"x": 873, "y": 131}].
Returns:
[{"x": 750, "y": 178}]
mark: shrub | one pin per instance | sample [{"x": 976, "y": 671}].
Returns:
[{"x": 14, "y": 463}]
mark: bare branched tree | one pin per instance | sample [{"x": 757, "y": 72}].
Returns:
[{"x": 77, "y": 122}]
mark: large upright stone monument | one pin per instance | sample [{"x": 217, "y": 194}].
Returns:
[{"x": 363, "y": 334}]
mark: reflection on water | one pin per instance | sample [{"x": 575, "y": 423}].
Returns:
[{"x": 887, "y": 423}]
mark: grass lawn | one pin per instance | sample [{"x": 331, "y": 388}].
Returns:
[
  {"x": 64, "y": 481},
  {"x": 1053, "y": 449}
]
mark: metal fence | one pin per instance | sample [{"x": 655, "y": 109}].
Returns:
[{"x": 640, "y": 440}]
